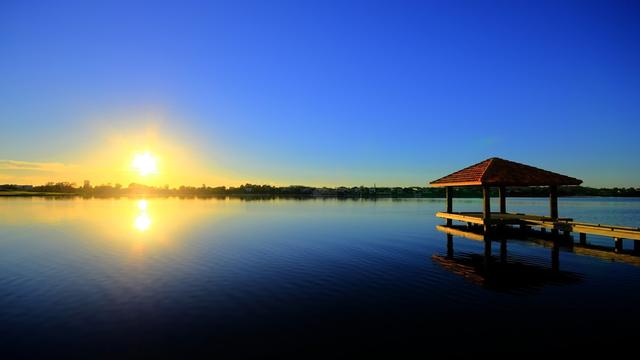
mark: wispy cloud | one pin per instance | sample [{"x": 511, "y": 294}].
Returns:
[{"x": 16, "y": 165}]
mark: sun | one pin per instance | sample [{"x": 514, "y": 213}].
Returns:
[{"x": 145, "y": 164}]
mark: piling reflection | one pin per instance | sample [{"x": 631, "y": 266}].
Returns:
[
  {"x": 546, "y": 239},
  {"x": 501, "y": 273}
]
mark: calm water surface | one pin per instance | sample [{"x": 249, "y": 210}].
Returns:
[{"x": 255, "y": 277}]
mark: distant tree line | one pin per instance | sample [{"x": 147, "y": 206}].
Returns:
[{"x": 307, "y": 191}]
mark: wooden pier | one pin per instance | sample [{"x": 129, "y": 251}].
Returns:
[
  {"x": 500, "y": 173},
  {"x": 560, "y": 224}
]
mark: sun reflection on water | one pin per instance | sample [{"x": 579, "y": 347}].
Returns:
[
  {"x": 143, "y": 220},
  {"x": 142, "y": 205}
]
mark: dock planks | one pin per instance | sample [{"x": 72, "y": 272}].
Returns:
[{"x": 561, "y": 224}]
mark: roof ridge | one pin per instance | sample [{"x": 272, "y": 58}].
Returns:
[{"x": 482, "y": 177}]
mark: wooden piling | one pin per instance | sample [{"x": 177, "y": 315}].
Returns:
[
  {"x": 583, "y": 239},
  {"x": 618, "y": 244},
  {"x": 449, "y": 196}
]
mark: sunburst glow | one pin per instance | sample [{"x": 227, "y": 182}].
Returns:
[{"x": 145, "y": 164}]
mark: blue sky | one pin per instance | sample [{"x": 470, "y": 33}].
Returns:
[{"x": 322, "y": 92}]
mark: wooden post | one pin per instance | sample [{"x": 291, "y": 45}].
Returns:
[
  {"x": 449, "y": 196},
  {"x": 486, "y": 208},
  {"x": 553, "y": 201},
  {"x": 503, "y": 199},
  {"x": 618, "y": 244},
  {"x": 583, "y": 239},
  {"x": 553, "y": 206}
]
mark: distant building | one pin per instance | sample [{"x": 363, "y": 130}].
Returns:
[{"x": 87, "y": 184}]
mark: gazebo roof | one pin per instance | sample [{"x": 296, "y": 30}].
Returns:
[{"x": 500, "y": 172}]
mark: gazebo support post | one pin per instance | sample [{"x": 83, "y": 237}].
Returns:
[
  {"x": 503, "y": 199},
  {"x": 486, "y": 209},
  {"x": 553, "y": 206},
  {"x": 448, "y": 191}
]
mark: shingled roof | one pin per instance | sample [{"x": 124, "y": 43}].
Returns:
[{"x": 500, "y": 172}]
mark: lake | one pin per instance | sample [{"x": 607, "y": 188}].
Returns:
[{"x": 257, "y": 277}]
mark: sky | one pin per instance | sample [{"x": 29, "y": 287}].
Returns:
[{"x": 320, "y": 93}]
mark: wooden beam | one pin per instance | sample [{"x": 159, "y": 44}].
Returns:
[
  {"x": 462, "y": 183},
  {"x": 503, "y": 199},
  {"x": 462, "y": 217},
  {"x": 607, "y": 231}
]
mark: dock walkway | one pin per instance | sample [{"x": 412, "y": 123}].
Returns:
[{"x": 566, "y": 225}]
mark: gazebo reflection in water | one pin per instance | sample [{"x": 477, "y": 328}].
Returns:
[{"x": 501, "y": 273}]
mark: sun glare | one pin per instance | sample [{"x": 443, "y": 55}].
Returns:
[{"x": 145, "y": 164}]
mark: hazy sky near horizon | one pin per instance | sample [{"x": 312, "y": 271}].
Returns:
[{"x": 317, "y": 92}]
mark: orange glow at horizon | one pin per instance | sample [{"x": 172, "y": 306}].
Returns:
[{"x": 148, "y": 154}]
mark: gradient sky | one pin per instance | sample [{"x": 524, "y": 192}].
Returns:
[{"x": 317, "y": 92}]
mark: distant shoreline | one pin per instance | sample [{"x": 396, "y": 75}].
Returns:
[
  {"x": 65, "y": 189},
  {"x": 26, "y": 194}
]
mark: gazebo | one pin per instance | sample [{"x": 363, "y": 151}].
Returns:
[{"x": 500, "y": 173}]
